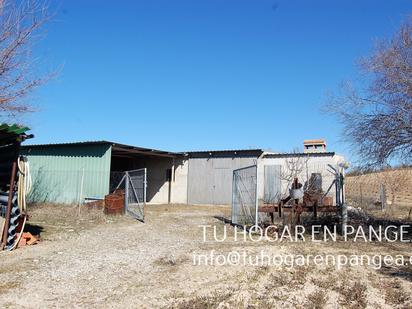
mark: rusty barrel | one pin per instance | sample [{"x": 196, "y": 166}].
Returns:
[{"x": 114, "y": 203}]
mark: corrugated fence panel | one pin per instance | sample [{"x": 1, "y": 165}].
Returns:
[
  {"x": 272, "y": 185},
  {"x": 67, "y": 174}
]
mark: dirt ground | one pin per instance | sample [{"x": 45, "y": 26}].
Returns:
[{"x": 90, "y": 260}]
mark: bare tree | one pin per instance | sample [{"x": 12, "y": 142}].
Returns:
[
  {"x": 377, "y": 117},
  {"x": 296, "y": 166},
  {"x": 20, "y": 22},
  {"x": 396, "y": 180}
]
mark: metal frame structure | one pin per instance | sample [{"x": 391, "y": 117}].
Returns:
[
  {"x": 245, "y": 196},
  {"x": 135, "y": 185},
  {"x": 245, "y": 188}
]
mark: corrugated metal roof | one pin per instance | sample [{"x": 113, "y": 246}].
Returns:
[
  {"x": 225, "y": 150},
  {"x": 13, "y": 129},
  {"x": 299, "y": 154},
  {"x": 68, "y": 143},
  {"x": 13, "y": 133},
  {"x": 116, "y": 147},
  {"x": 225, "y": 153},
  {"x": 145, "y": 151},
  {"x": 141, "y": 150}
]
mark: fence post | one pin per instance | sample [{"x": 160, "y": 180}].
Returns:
[
  {"x": 81, "y": 189},
  {"x": 126, "y": 191},
  {"x": 343, "y": 201},
  {"x": 234, "y": 215},
  {"x": 383, "y": 197},
  {"x": 144, "y": 186},
  {"x": 361, "y": 194},
  {"x": 257, "y": 194}
]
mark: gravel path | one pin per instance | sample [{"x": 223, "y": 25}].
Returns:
[{"x": 95, "y": 261}]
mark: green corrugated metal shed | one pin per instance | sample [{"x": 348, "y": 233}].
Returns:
[
  {"x": 13, "y": 129},
  {"x": 68, "y": 173}
]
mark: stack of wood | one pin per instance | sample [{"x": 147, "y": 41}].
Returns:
[{"x": 27, "y": 239}]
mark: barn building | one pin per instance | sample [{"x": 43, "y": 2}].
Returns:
[
  {"x": 72, "y": 172},
  {"x": 77, "y": 172}
]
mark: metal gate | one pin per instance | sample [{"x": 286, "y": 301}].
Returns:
[
  {"x": 244, "y": 196},
  {"x": 134, "y": 184}
]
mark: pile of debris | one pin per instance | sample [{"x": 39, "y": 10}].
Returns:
[
  {"x": 113, "y": 204},
  {"x": 15, "y": 183}
]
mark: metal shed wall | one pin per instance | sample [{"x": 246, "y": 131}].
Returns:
[
  {"x": 69, "y": 173},
  {"x": 210, "y": 178}
]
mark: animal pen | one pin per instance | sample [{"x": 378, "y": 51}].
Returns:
[{"x": 298, "y": 198}]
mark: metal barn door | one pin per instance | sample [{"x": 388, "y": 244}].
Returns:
[
  {"x": 272, "y": 185},
  {"x": 221, "y": 186},
  {"x": 135, "y": 193}
]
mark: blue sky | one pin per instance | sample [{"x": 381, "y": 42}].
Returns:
[{"x": 193, "y": 75}]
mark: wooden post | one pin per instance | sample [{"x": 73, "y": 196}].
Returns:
[
  {"x": 383, "y": 197},
  {"x": 361, "y": 194},
  {"x": 280, "y": 209},
  {"x": 9, "y": 205}
]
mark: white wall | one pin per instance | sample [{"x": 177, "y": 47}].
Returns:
[
  {"x": 158, "y": 186},
  {"x": 179, "y": 184}
]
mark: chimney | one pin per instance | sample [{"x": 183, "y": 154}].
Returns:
[{"x": 314, "y": 146}]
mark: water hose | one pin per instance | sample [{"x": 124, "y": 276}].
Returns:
[{"x": 24, "y": 185}]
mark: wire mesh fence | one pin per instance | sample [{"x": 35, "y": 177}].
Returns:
[
  {"x": 115, "y": 181},
  {"x": 136, "y": 194},
  {"x": 382, "y": 194},
  {"x": 244, "y": 195},
  {"x": 133, "y": 184}
]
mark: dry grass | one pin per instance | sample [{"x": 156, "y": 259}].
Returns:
[
  {"x": 210, "y": 301},
  {"x": 278, "y": 279},
  {"x": 316, "y": 300},
  {"x": 171, "y": 261},
  {"x": 395, "y": 293},
  {"x": 300, "y": 274},
  {"x": 57, "y": 222},
  {"x": 353, "y": 295},
  {"x": 96, "y": 261},
  {"x": 8, "y": 286},
  {"x": 256, "y": 273},
  {"x": 326, "y": 282}
]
